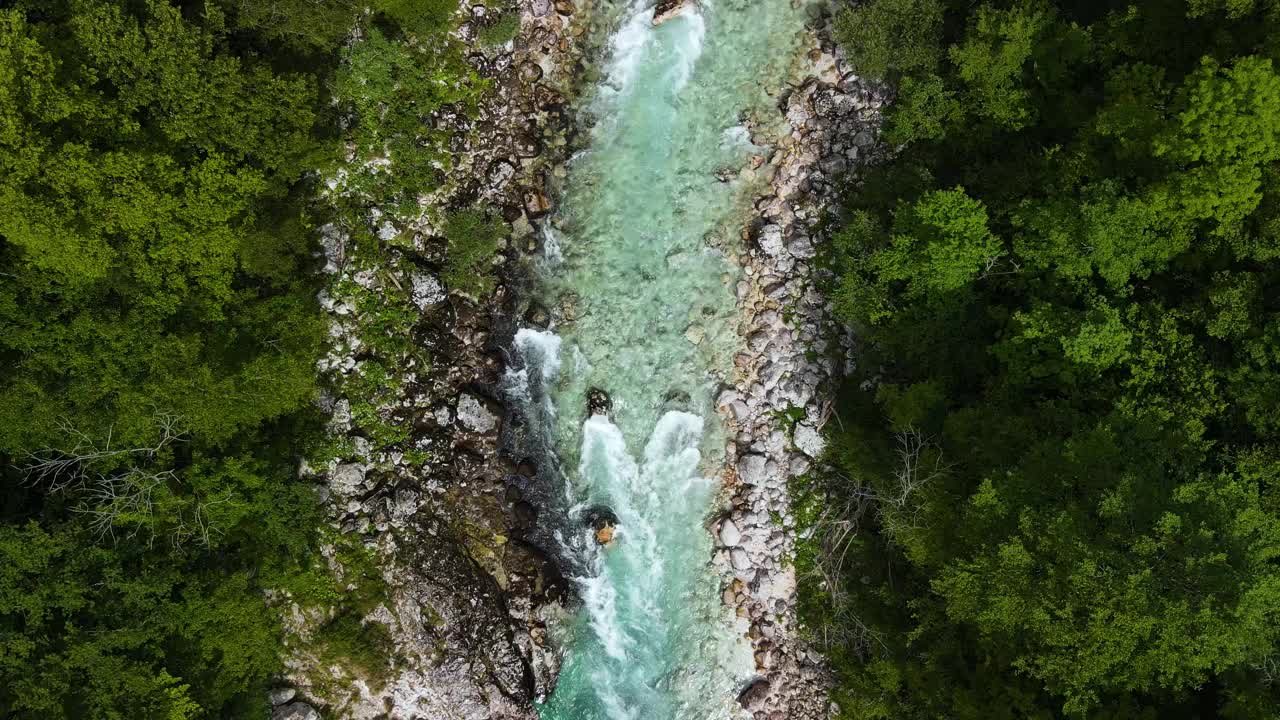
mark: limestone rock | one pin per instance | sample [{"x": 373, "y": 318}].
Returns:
[
  {"x": 500, "y": 173},
  {"x": 280, "y": 696},
  {"x": 770, "y": 240},
  {"x": 751, "y": 469},
  {"x": 730, "y": 536},
  {"x": 475, "y": 416},
  {"x": 295, "y": 711},
  {"x": 347, "y": 478},
  {"x": 427, "y": 290},
  {"x": 808, "y": 440},
  {"x": 695, "y": 334}
]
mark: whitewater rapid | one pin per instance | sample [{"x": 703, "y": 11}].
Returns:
[{"x": 639, "y": 262}]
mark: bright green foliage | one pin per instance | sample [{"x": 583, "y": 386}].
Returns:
[
  {"x": 923, "y": 110},
  {"x": 506, "y": 27},
  {"x": 1229, "y": 130},
  {"x": 321, "y": 25},
  {"x": 474, "y": 238},
  {"x": 887, "y": 37},
  {"x": 159, "y": 336},
  {"x": 991, "y": 61},
  {"x": 130, "y": 189},
  {"x": 939, "y": 244},
  {"x": 1067, "y": 289},
  {"x": 390, "y": 88}
]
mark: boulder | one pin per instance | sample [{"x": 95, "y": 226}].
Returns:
[
  {"x": 603, "y": 523},
  {"x": 751, "y": 469},
  {"x": 295, "y": 711},
  {"x": 500, "y": 173},
  {"x": 598, "y": 402},
  {"x": 667, "y": 9},
  {"x": 808, "y": 440},
  {"x": 474, "y": 416},
  {"x": 529, "y": 72},
  {"x": 695, "y": 333},
  {"x": 426, "y": 290},
  {"x": 347, "y": 478},
  {"x": 730, "y": 536},
  {"x": 536, "y": 203},
  {"x": 604, "y": 535},
  {"x": 770, "y": 240},
  {"x": 753, "y": 696},
  {"x": 280, "y": 696}
]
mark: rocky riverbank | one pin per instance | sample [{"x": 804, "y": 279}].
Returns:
[
  {"x": 790, "y": 355},
  {"x": 443, "y": 513},
  {"x": 457, "y": 617}
]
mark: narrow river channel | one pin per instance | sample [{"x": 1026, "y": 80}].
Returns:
[{"x": 640, "y": 259}]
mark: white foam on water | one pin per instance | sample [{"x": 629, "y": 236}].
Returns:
[
  {"x": 605, "y": 461},
  {"x": 540, "y": 349},
  {"x": 629, "y": 45},
  {"x": 551, "y": 250},
  {"x": 601, "y": 601},
  {"x": 693, "y": 32},
  {"x": 516, "y": 385}
]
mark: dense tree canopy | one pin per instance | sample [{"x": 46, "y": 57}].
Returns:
[
  {"x": 1065, "y": 467},
  {"x": 158, "y": 340}
]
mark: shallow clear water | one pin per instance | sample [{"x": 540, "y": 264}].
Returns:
[{"x": 634, "y": 253}]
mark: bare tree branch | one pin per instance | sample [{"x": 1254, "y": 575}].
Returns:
[
  {"x": 117, "y": 490},
  {"x": 837, "y": 526},
  {"x": 63, "y": 470}
]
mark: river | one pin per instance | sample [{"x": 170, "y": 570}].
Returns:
[{"x": 640, "y": 260}]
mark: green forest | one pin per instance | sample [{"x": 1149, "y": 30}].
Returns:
[
  {"x": 159, "y": 330},
  {"x": 1054, "y": 478},
  {"x": 1058, "y": 483}
]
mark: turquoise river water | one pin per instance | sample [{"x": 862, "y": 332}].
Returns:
[{"x": 638, "y": 253}]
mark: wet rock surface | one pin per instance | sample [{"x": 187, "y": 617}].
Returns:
[
  {"x": 667, "y": 9},
  {"x": 598, "y": 402},
  {"x": 467, "y": 599}
]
